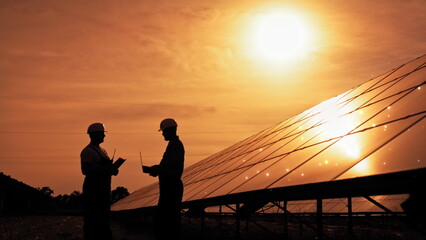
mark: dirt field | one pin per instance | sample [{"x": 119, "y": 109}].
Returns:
[
  {"x": 41, "y": 227},
  {"x": 53, "y": 228},
  {"x": 70, "y": 228}
]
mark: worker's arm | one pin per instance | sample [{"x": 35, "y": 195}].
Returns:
[
  {"x": 172, "y": 163},
  {"x": 154, "y": 170},
  {"x": 91, "y": 164}
]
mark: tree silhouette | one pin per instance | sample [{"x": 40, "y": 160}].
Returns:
[
  {"x": 46, "y": 190},
  {"x": 118, "y": 193}
]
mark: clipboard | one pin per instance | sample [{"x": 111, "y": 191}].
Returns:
[{"x": 118, "y": 163}]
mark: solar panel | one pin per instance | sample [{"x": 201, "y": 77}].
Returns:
[{"x": 374, "y": 128}]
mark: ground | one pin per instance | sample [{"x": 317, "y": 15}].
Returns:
[
  {"x": 53, "y": 228},
  {"x": 70, "y": 228}
]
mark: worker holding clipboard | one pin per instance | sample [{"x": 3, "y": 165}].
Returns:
[{"x": 97, "y": 168}]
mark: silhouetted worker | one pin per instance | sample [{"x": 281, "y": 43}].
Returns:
[
  {"x": 169, "y": 172},
  {"x": 97, "y": 168}
]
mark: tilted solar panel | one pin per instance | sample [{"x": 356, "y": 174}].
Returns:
[{"x": 375, "y": 128}]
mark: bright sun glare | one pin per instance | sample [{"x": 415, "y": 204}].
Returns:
[{"x": 280, "y": 37}]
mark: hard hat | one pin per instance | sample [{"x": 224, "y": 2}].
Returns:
[
  {"x": 96, "y": 127},
  {"x": 166, "y": 123}
]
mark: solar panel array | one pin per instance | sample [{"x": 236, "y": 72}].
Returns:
[{"x": 375, "y": 128}]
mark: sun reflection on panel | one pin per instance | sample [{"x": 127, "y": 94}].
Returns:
[
  {"x": 338, "y": 125},
  {"x": 362, "y": 166}
]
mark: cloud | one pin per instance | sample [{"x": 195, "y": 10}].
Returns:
[
  {"x": 37, "y": 54},
  {"x": 50, "y": 106},
  {"x": 136, "y": 112},
  {"x": 200, "y": 14}
]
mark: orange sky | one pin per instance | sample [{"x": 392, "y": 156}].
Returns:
[{"x": 129, "y": 64}]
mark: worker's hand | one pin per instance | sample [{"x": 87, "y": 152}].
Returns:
[
  {"x": 114, "y": 171},
  {"x": 154, "y": 171}
]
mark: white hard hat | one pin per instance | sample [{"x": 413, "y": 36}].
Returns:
[
  {"x": 166, "y": 123},
  {"x": 96, "y": 127}
]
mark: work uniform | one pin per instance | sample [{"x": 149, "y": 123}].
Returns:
[
  {"x": 171, "y": 190},
  {"x": 97, "y": 168}
]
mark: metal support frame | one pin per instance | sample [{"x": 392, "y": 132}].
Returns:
[
  {"x": 320, "y": 231},
  {"x": 237, "y": 216},
  {"x": 350, "y": 219},
  {"x": 238, "y": 219},
  {"x": 387, "y": 210},
  {"x": 220, "y": 217},
  {"x": 288, "y": 213},
  {"x": 285, "y": 220},
  {"x": 393, "y": 214},
  {"x": 202, "y": 225},
  {"x": 382, "y": 184},
  {"x": 319, "y": 228}
]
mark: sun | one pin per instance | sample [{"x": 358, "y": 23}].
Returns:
[{"x": 280, "y": 37}]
